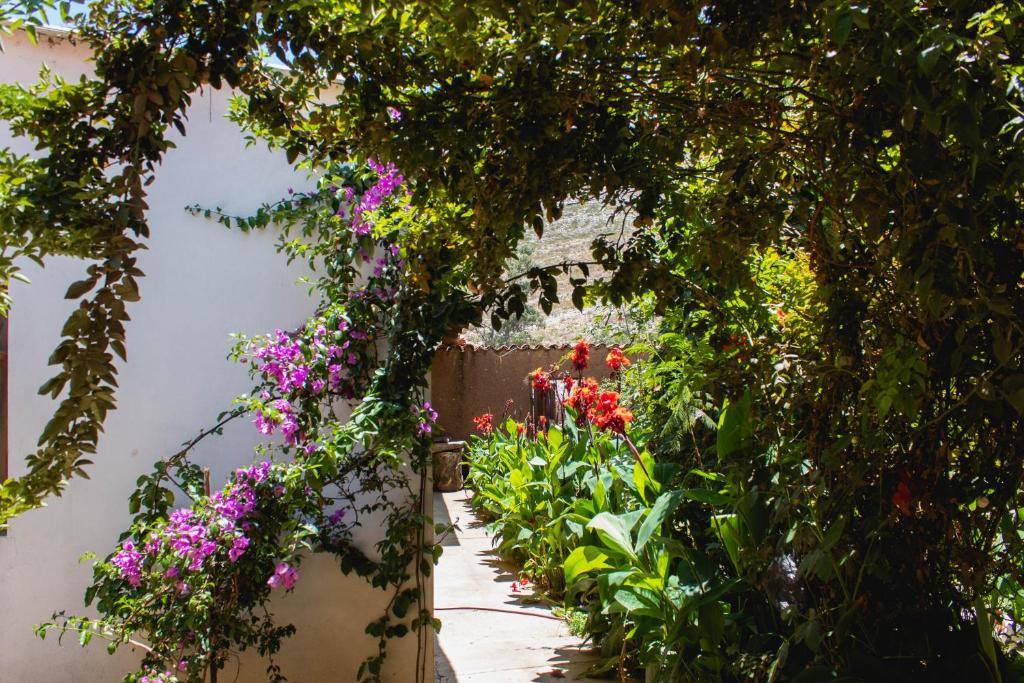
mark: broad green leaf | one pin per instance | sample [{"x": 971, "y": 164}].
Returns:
[
  {"x": 726, "y": 527},
  {"x": 706, "y": 496},
  {"x": 734, "y": 427},
  {"x": 555, "y": 438},
  {"x": 581, "y": 560},
  {"x": 614, "y": 532},
  {"x": 639, "y": 601},
  {"x": 664, "y": 506}
]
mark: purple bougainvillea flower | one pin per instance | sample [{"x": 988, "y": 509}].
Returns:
[
  {"x": 264, "y": 425},
  {"x": 284, "y": 576},
  {"x": 238, "y": 548}
]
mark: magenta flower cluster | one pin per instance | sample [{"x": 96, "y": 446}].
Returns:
[
  {"x": 388, "y": 180},
  {"x": 192, "y": 536},
  {"x": 284, "y": 576},
  {"x": 129, "y": 562},
  {"x": 154, "y": 676},
  {"x": 282, "y": 360},
  {"x": 427, "y": 416}
]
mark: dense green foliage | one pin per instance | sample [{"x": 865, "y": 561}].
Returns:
[
  {"x": 194, "y": 583},
  {"x": 873, "y": 151}
]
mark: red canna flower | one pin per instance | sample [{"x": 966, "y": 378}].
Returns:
[
  {"x": 540, "y": 380},
  {"x": 736, "y": 342},
  {"x": 616, "y": 360},
  {"x": 608, "y": 415},
  {"x": 520, "y": 428},
  {"x": 902, "y": 498},
  {"x": 615, "y": 421},
  {"x": 484, "y": 423},
  {"x": 606, "y": 402},
  {"x": 581, "y": 356},
  {"x": 582, "y": 397}
]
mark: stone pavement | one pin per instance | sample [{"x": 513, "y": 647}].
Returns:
[{"x": 522, "y": 643}]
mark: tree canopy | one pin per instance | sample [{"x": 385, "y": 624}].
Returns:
[{"x": 882, "y": 141}]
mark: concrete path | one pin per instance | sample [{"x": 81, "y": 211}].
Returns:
[{"x": 522, "y": 644}]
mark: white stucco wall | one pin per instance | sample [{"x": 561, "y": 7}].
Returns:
[{"x": 202, "y": 283}]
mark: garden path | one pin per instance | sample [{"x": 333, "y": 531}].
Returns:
[{"x": 522, "y": 643}]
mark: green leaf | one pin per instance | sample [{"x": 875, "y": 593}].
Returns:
[
  {"x": 555, "y": 438},
  {"x": 639, "y": 601},
  {"x": 664, "y": 506},
  {"x": 734, "y": 427},
  {"x": 707, "y": 496},
  {"x": 841, "y": 24},
  {"x": 928, "y": 57},
  {"x": 582, "y": 560},
  {"x": 614, "y": 532},
  {"x": 77, "y": 289},
  {"x": 985, "y": 625},
  {"x": 727, "y": 528}
]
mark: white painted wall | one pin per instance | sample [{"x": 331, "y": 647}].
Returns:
[{"x": 202, "y": 283}]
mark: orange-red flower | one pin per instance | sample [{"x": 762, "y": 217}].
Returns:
[
  {"x": 606, "y": 402},
  {"x": 614, "y": 421},
  {"x": 607, "y": 414},
  {"x": 484, "y": 423},
  {"x": 520, "y": 428},
  {"x": 902, "y": 498},
  {"x": 616, "y": 360},
  {"x": 780, "y": 317},
  {"x": 736, "y": 342},
  {"x": 540, "y": 380},
  {"x": 582, "y": 397},
  {"x": 581, "y": 356}
]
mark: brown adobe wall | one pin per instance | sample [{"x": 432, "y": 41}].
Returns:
[{"x": 467, "y": 381}]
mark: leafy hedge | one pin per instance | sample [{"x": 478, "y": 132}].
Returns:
[{"x": 685, "y": 568}]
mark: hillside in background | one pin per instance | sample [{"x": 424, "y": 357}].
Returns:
[{"x": 568, "y": 238}]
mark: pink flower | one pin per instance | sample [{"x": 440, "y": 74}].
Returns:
[
  {"x": 263, "y": 424},
  {"x": 284, "y": 576},
  {"x": 129, "y": 563},
  {"x": 238, "y": 548}
]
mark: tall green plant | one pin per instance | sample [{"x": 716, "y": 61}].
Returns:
[{"x": 881, "y": 142}]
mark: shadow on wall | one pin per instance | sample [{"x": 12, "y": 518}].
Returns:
[{"x": 468, "y": 380}]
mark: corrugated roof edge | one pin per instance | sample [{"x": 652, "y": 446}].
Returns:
[{"x": 467, "y": 346}]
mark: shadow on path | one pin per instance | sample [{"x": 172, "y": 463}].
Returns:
[{"x": 489, "y": 633}]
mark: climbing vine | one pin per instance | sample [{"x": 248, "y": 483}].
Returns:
[
  {"x": 875, "y": 148},
  {"x": 195, "y": 581}
]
